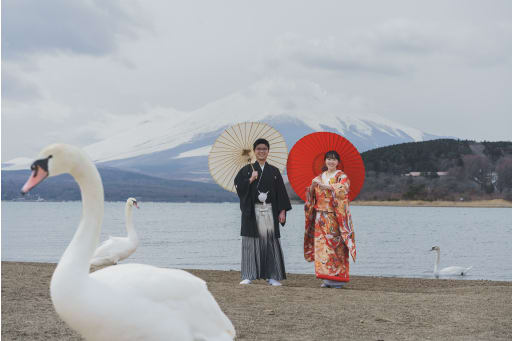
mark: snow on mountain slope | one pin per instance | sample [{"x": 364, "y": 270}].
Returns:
[
  {"x": 278, "y": 102},
  {"x": 195, "y": 152},
  {"x": 17, "y": 164}
]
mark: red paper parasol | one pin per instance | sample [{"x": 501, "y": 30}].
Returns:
[{"x": 306, "y": 159}]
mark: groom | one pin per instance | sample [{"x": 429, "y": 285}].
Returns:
[{"x": 263, "y": 202}]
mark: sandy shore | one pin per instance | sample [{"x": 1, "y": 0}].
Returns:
[{"x": 369, "y": 308}]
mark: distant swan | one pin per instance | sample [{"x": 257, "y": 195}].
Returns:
[
  {"x": 128, "y": 301},
  {"x": 115, "y": 249},
  {"x": 449, "y": 271}
]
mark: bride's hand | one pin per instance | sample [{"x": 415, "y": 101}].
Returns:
[{"x": 322, "y": 186}]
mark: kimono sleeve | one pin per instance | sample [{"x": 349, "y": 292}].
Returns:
[
  {"x": 341, "y": 203},
  {"x": 283, "y": 201},
  {"x": 309, "y": 205},
  {"x": 341, "y": 187},
  {"x": 242, "y": 186},
  {"x": 309, "y": 228}
]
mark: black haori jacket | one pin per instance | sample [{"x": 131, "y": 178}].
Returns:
[{"x": 271, "y": 182}]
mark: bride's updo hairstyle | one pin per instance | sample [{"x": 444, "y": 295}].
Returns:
[{"x": 331, "y": 154}]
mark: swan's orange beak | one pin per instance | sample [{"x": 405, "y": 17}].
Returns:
[
  {"x": 135, "y": 204},
  {"x": 37, "y": 176}
]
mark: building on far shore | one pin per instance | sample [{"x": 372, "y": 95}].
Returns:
[{"x": 425, "y": 173}]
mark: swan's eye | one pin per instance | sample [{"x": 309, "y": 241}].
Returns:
[
  {"x": 34, "y": 169},
  {"x": 43, "y": 163}
]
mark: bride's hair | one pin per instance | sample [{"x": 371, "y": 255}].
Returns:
[{"x": 331, "y": 154}]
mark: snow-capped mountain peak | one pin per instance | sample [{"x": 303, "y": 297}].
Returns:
[
  {"x": 269, "y": 100},
  {"x": 175, "y": 144}
]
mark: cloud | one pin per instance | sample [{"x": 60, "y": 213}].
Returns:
[
  {"x": 488, "y": 46},
  {"x": 90, "y": 27},
  {"x": 17, "y": 88},
  {"x": 374, "y": 51},
  {"x": 87, "y": 68},
  {"x": 34, "y": 32},
  {"x": 396, "y": 47}
]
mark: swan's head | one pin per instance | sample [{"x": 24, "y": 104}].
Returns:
[
  {"x": 132, "y": 202},
  {"x": 435, "y": 248},
  {"x": 53, "y": 160}
]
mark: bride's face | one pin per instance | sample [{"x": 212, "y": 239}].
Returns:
[{"x": 331, "y": 164}]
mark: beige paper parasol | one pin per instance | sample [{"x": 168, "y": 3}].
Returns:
[{"x": 233, "y": 149}]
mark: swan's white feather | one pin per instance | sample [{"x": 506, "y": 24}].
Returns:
[
  {"x": 454, "y": 270},
  {"x": 450, "y": 270},
  {"x": 177, "y": 290},
  {"x": 113, "y": 250},
  {"x": 116, "y": 249},
  {"x": 126, "y": 302}
]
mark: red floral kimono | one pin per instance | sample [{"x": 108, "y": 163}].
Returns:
[{"x": 329, "y": 234}]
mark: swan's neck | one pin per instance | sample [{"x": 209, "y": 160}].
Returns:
[
  {"x": 132, "y": 235},
  {"x": 436, "y": 264},
  {"x": 75, "y": 260}
]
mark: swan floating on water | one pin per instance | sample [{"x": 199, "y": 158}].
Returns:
[
  {"x": 115, "y": 249},
  {"x": 449, "y": 271},
  {"x": 128, "y": 301}
]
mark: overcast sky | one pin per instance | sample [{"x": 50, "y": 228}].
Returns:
[{"x": 74, "y": 70}]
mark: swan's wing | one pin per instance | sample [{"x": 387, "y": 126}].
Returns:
[
  {"x": 113, "y": 250},
  {"x": 102, "y": 251},
  {"x": 178, "y": 290},
  {"x": 122, "y": 247},
  {"x": 103, "y": 245},
  {"x": 453, "y": 270}
]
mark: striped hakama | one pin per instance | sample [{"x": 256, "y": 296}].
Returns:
[{"x": 262, "y": 257}]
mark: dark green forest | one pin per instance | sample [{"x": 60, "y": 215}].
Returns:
[{"x": 444, "y": 169}]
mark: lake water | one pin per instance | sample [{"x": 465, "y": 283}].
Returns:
[{"x": 391, "y": 241}]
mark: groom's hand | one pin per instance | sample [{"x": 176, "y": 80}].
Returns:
[
  {"x": 282, "y": 217},
  {"x": 253, "y": 177}
]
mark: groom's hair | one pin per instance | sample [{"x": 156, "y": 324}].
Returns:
[{"x": 260, "y": 141}]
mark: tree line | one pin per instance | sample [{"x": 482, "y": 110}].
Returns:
[{"x": 474, "y": 170}]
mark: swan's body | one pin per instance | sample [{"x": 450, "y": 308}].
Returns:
[
  {"x": 115, "y": 249},
  {"x": 448, "y": 271},
  {"x": 125, "y": 302}
]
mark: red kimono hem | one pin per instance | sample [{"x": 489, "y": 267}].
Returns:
[{"x": 334, "y": 278}]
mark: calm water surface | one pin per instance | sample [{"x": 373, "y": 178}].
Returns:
[{"x": 391, "y": 241}]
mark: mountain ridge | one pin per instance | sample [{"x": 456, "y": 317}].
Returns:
[
  {"x": 385, "y": 180},
  {"x": 295, "y": 108}
]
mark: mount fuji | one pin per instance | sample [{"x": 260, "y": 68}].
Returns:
[{"x": 175, "y": 145}]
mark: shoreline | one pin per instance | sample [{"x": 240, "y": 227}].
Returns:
[
  {"x": 368, "y": 308},
  {"x": 192, "y": 270},
  {"x": 495, "y": 203}
]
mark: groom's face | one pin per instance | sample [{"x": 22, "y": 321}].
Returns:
[{"x": 261, "y": 152}]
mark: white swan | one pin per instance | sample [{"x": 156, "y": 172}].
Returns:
[
  {"x": 449, "y": 271},
  {"x": 115, "y": 249},
  {"x": 128, "y": 301}
]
